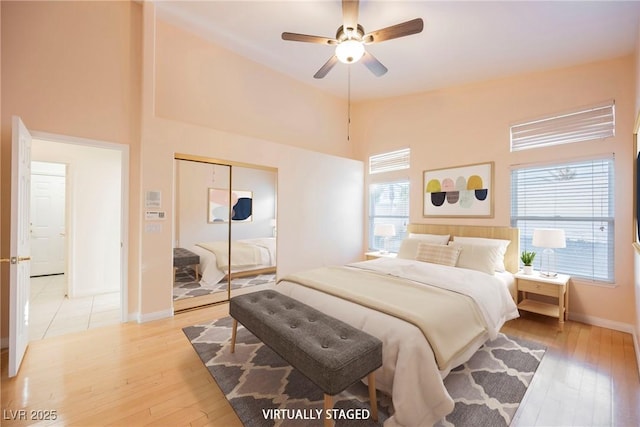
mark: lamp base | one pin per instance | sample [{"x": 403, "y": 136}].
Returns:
[{"x": 548, "y": 264}]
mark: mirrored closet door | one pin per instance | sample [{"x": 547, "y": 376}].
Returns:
[
  {"x": 225, "y": 230},
  {"x": 253, "y": 237}
]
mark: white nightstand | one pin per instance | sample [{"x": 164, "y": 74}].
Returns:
[
  {"x": 557, "y": 287},
  {"x": 378, "y": 254}
]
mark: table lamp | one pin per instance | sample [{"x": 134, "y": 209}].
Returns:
[
  {"x": 549, "y": 239},
  {"x": 385, "y": 231}
]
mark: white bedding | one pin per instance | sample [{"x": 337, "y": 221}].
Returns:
[
  {"x": 409, "y": 373},
  {"x": 210, "y": 272}
]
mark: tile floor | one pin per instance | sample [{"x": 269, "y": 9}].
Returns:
[{"x": 54, "y": 314}]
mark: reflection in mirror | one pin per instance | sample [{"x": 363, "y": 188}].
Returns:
[
  {"x": 225, "y": 220},
  {"x": 253, "y": 250}
]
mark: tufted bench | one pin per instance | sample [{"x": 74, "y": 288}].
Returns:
[
  {"x": 184, "y": 258},
  {"x": 329, "y": 352}
]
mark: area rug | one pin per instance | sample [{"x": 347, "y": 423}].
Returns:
[
  {"x": 487, "y": 389},
  {"x": 187, "y": 287}
]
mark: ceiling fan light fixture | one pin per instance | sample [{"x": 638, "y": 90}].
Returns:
[{"x": 350, "y": 51}]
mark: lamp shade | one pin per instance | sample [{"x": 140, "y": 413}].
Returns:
[
  {"x": 384, "y": 230},
  {"x": 549, "y": 238}
]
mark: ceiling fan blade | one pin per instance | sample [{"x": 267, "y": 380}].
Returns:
[
  {"x": 294, "y": 37},
  {"x": 393, "y": 32},
  {"x": 326, "y": 67},
  {"x": 373, "y": 64},
  {"x": 350, "y": 14}
]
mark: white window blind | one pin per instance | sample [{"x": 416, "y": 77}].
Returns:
[
  {"x": 576, "y": 197},
  {"x": 391, "y": 161},
  {"x": 388, "y": 204},
  {"x": 596, "y": 122}
]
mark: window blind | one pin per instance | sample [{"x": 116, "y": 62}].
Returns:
[
  {"x": 388, "y": 204},
  {"x": 391, "y": 161},
  {"x": 596, "y": 122},
  {"x": 577, "y": 197}
]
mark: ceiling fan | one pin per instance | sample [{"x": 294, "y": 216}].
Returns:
[{"x": 351, "y": 38}]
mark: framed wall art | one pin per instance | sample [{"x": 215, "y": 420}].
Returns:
[
  {"x": 218, "y": 206},
  {"x": 462, "y": 191}
]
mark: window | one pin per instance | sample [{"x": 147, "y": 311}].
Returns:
[
  {"x": 388, "y": 204},
  {"x": 577, "y": 197},
  {"x": 392, "y": 161},
  {"x": 595, "y": 122}
]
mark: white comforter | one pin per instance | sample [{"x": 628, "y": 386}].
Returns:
[
  {"x": 409, "y": 373},
  {"x": 210, "y": 272}
]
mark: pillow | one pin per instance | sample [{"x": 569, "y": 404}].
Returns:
[
  {"x": 477, "y": 257},
  {"x": 438, "y": 239},
  {"x": 501, "y": 244},
  {"x": 438, "y": 254},
  {"x": 409, "y": 246}
]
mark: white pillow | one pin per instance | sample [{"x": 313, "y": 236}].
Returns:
[
  {"x": 437, "y": 239},
  {"x": 438, "y": 254},
  {"x": 477, "y": 257},
  {"x": 501, "y": 244},
  {"x": 409, "y": 246}
]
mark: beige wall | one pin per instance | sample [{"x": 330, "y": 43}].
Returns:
[
  {"x": 470, "y": 124},
  {"x": 70, "y": 68},
  {"x": 319, "y": 195},
  {"x": 76, "y": 69},
  {"x": 200, "y": 83}
]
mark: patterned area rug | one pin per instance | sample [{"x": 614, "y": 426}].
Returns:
[
  {"x": 187, "y": 287},
  {"x": 487, "y": 389}
]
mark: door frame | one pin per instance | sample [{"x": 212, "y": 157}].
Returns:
[{"x": 124, "y": 214}]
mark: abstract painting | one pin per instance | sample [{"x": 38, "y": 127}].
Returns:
[
  {"x": 218, "y": 207},
  {"x": 462, "y": 191}
]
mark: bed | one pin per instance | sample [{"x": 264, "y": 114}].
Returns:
[
  {"x": 388, "y": 298},
  {"x": 248, "y": 257}
]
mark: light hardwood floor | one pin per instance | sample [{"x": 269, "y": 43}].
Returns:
[{"x": 148, "y": 374}]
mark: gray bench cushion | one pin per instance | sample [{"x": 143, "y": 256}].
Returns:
[
  {"x": 331, "y": 353},
  {"x": 183, "y": 257}
]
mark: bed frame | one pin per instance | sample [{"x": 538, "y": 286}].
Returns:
[{"x": 512, "y": 256}]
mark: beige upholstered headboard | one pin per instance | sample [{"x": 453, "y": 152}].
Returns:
[{"x": 512, "y": 256}]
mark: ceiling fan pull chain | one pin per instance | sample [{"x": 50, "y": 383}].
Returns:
[{"x": 348, "y": 104}]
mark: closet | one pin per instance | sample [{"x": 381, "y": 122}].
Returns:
[{"x": 225, "y": 217}]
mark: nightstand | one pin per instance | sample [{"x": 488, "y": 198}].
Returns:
[
  {"x": 378, "y": 254},
  {"x": 557, "y": 287}
]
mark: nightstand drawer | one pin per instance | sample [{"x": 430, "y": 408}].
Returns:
[{"x": 539, "y": 288}]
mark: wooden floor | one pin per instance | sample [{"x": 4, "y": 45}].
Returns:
[{"x": 148, "y": 374}]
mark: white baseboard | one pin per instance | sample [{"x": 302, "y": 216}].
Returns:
[
  {"x": 603, "y": 323},
  {"x": 148, "y": 317},
  {"x": 616, "y": 326}
]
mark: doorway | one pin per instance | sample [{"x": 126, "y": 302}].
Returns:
[{"x": 78, "y": 278}]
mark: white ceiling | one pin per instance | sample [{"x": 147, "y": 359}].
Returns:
[{"x": 462, "y": 41}]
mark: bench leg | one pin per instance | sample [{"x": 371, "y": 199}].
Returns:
[
  {"x": 197, "y": 268},
  {"x": 233, "y": 336},
  {"x": 328, "y": 405},
  {"x": 373, "y": 399}
]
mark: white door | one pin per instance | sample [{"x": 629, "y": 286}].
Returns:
[
  {"x": 20, "y": 248},
  {"x": 47, "y": 224}
]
